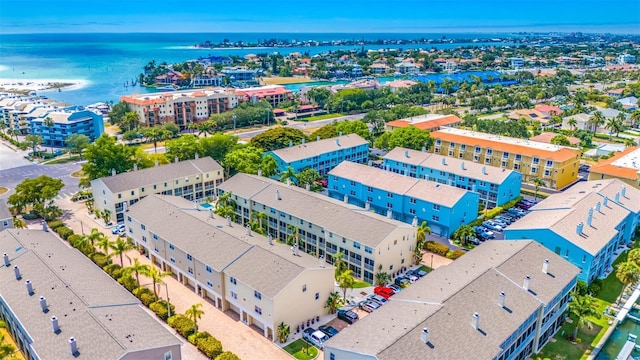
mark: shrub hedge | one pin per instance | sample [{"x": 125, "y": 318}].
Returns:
[
  {"x": 437, "y": 248},
  {"x": 210, "y": 346},
  {"x": 182, "y": 324},
  {"x": 115, "y": 270},
  {"x": 160, "y": 308},
  {"x": 455, "y": 254},
  {"x": 64, "y": 232},
  {"x": 227, "y": 355},
  {"x": 55, "y": 224},
  {"x": 128, "y": 282},
  {"x": 100, "y": 259}
]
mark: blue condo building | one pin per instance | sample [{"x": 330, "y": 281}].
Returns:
[
  {"x": 494, "y": 185},
  {"x": 589, "y": 225},
  {"x": 322, "y": 155},
  {"x": 443, "y": 207},
  {"x": 66, "y": 122}
]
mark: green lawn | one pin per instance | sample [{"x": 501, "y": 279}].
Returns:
[
  {"x": 62, "y": 160},
  {"x": 321, "y": 117},
  {"x": 611, "y": 286},
  {"x": 295, "y": 349},
  {"x": 361, "y": 284},
  {"x": 562, "y": 349},
  {"x": 425, "y": 268}
]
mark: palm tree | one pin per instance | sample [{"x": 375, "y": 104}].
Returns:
[
  {"x": 283, "y": 332},
  {"x": 104, "y": 244},
  {"x": 105, "y": 215},
  {"x": 628, "y": 273},
  {"x": 422, "y": 231},
  {"x": 463, "y": 234},
  {"x": 346, "y": 281},
  {"x": 635, "y": 118},
  {"x": 582, "y": 307},
  {"x": 156, "y": 277},
  {"x": 573, "y": 123},
  {"x": 289, "y": 174},
  {"x": 259, "y": 217},
  {"x": 333, "y": 302},
  {"x": 382, "y": 278},
  {"x": 194, "y": 313},
  {"x": 48, "y": 122},
  {"x": 537, "y": 182},
  {"x": 130, "y": 120},
  {"x": 339, "y": 264},
  {"x": 95, "y": 236},
  {"x": 120, "y": 247},
  {"x": 616, "y": 124},
  {"x": 634, "y": 256},
  {"x": 136, "y": 268},
  {"x": 204, "y": 128},
  {"x": 156, "y": 134},
  {"x": 596, "y": 119}
]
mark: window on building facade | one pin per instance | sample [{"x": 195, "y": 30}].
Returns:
[
  {"x": 258, "y": 310},
  {"x": 435, "y": 218},
  {"x": 257, "y": 295},
  {"x": 233, "y": 281}
]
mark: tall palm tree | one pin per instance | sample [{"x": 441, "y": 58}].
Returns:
[
  {"x": 95, "y": 236},
  {"x": 635, "y": 118},
  {"x": 463, "y": 234},
  {"x": 194, "y": 313},
  {"x": 582, "y": 307},
  {"x": 283, "y": 332},
  {"x": 573, "y": 123},
  {"x": 596, "y": 119},
  {"x": 204, "y": 128},
  {"x": 155, "y": 134},
  {"x": 289, "y": 174},
  {"x": 346, "y": 281},
  {"x": 422, "y": 231},
  {"x": 104, "y": 244},
  {"x": 156, "y": 277},
  {"x": 130, "y": 120},
  {"x": 339, "y": 264},
  {"x": 120, "y": 247},
  {"x": 260, "y": 217},
  {"x": 537, "y": 182},
  {"x": 136, "y": 268},
  {"x": 628, "y": 273}
]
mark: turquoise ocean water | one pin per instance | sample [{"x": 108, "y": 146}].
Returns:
[{"x": 108, "y": 61}]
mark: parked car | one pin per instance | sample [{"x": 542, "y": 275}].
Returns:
[
  {"x": 503, "y": 224},
  {"x": 348, "y": 316},
  {"x": 396, "y": 289},
  {"x": 482, "y": 237},
  {"x": 117, "y": 229},
  {"x": 329, "y": 330},
  {"x": 492, "y": 225},
  {"x": 377, "y": 298},
  {"x": 418, "y": 272},
  {"x": 517, "y": 212},
  {"x": 315, "y": 337},
  {"x": 323, "y": 182},
  {"x": 385, "y": 292},
  {"x": 402, "y": 281},
  {"x": 505, "y": 218},
  {"x": 482, "y": 229},
  {"x": 474, "y": 240},
  {"x": 369, "y": 306}
]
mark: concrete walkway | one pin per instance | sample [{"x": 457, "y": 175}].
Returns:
[{"x": 246, "y": 342}]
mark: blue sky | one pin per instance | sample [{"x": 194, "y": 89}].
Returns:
[{"x": 34, "y": 16}]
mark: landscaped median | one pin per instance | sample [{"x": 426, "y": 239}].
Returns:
[{"x": 129, "y": 278}]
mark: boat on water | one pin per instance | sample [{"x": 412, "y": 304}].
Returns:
[{"x": 167, "y": 88}]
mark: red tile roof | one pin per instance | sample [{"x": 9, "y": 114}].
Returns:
[
  {"x": 549, "y": 109},
  {"x": 427, "y": 125}
]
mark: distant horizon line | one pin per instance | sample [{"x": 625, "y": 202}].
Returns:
[{"x": 499, "y": 32}]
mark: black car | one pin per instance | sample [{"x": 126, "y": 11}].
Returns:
[
  {"x": 329, "y": 330},
  {"x": 348, "y": 316}
]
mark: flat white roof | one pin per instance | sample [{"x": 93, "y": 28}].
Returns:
[
  {"x": 631, "y": 160},
  {"x": 503, "y": 139}
]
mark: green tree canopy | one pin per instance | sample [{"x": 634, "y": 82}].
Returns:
[
  {"x": 106, "y": 155},
  {"x": 560, "y": 140},
  {"x": 185, "y": 147},
  {"x": 277, "y": 138},
  {"x": 217, "y": 146},
  {"x": 246, "y": 159},
  {"x": 77, "y": 142},
  {"x": 38, "y": 192},
  {"x": 33, "y": 141},
  {"x": 326, "y": 132},
  {"x": 117, "y": 112},
  {"x": 408, "y": 137},
  {"x": 354, "y": 127}
]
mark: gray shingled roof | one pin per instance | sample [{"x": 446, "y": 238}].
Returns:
[
  {"x": 610, "y": 188},
  {"x": 248, "y": 258},
  {"x": 106, "y": 320},
  {"x": 4, "y": 210},
  {"x": 445, "y": 300},
  {"x": 452, "y": 165},
  {"x": 334, "y": 216},
  {"x": 315, "y": 148},
  {"x": 564, "y": 211},
  {"x": 154, "y": 175},
  {"x": 430, "y": 191}
]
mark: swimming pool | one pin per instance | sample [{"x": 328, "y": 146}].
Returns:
[
  {"x": 206, "y": 205},
  {"x": 618, "y": 338}
]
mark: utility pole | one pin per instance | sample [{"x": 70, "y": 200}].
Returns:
[{"x": 234, "y": 121}]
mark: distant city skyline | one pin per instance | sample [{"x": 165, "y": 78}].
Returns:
[{"x": 360, "y": 16}]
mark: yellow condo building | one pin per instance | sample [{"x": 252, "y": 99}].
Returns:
[
  {"x": 556, "y": 165},
  {"x": 624, "y": 166}
]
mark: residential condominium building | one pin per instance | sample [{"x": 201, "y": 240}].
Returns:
[
  {"x": 323, "y": 226},
  {"x": 400, "y": 197},
  {"x": 264, "y": 282},
  {"x": 30, "y": 114},
  {"x": 431, "y": 122},
  {"x": 180, "y": 107},
  {"x": 588, "y": 225},
  {"x": 194, "y": 180},
  {"x": 503, "y": 300},
  {"x": 496, "y": 186},
  {"x": 556, "y": 165},
  {"x": 624, "y": 166},
  {"x": 60, "y": 305},
  {"x": 274, "y": 94},
  {"x": 322, "y": 155}
]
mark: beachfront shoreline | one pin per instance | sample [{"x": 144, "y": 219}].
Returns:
[{"x": 27, "y": 85}]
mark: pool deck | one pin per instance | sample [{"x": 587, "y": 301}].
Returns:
[{"x": 628, "y": 305}]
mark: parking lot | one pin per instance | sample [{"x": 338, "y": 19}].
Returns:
[{"x": 494, "y": 229}]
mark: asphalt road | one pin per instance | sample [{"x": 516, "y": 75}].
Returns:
[{"x": 14, "y": 169}]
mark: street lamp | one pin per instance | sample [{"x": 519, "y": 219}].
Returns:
[
  {"x": 431, "y": 263},
  {"x": 234, "y": 121},
  {"x": 167, "y": 290}
]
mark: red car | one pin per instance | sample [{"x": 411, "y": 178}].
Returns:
[
  {"x": 324, "y": 183},
  {"x": 385, "y": 292}
]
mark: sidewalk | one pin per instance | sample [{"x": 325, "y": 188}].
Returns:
[{"x": 234, "y": 335}]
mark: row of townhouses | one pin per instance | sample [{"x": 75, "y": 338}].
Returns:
[
  {"x": 58, "y": 304},
  {"x": 54, "y": 122},
  {"x": 194, "y": 180},
  {"x": 264, "y": 282}
]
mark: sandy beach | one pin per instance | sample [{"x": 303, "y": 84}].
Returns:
[{"x": 23, "y": 85}]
